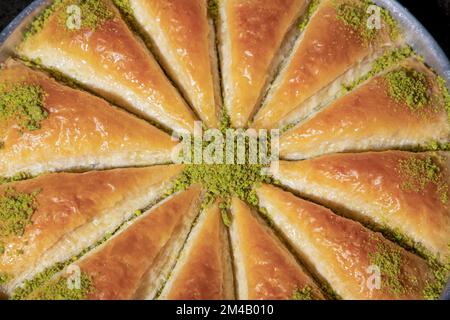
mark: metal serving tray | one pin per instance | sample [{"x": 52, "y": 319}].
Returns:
[{"x": 417, "y": 36}]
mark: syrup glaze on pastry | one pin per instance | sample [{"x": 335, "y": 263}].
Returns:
[
  {"x": 105, "y": 56},
  {"x": 79, "y": 131}
]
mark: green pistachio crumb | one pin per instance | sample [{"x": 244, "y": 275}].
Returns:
[
  {"x": 38, "y": 281},
  {"x": 397, "y": 236},
  {"x": 391, "y": 23},
  {"x": 4, "y": 278},
  {"x": 225, "y": 121},
  {"x": 226, "y": 218},
  {"x": 16, "y": 211},
  {"x": 417, "y": 173},
  {"x": 304, "y": 294},
  {"x": 287, "y": 128},
  {"x": 436, "y": 146},
  {"x": 387, "y": 60},
  {"x": 390, "y": 261},
  {"x": 267, "y": 217},
  {"x": 43, "y": 278},
  {"x": 124, "y": 6},
  {"x": 312, "y": 8},
  {"x": 213, "y": 8},
  {"x": 94, "y": 13},
  {"x": 59, "y": 290},
  {"x": 23, "y": 103},
  {"x": 409, "y": 87},
  {"x": 223, "y": 180},
  {"x": 17, "y": 177},
  {"x": 355, "y": 15},
  {"x": 442, "y": 84},
  {"x": 434, "y": 288},
  {"x": 352, "y": 14},
  {"x": 38, "y": 24}
]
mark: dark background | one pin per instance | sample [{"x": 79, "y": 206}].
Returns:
[{"x": 434, "y": 15}]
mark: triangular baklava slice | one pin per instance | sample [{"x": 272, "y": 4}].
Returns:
[
  {"x": 89, "y": 42},
  {"x": 53, "y": 217},
  {"x": 135, "y": 260},
  {"x": 405, "y": 107},
  {"x": 403, "y": 192},
  {"x": 336, "y": 39},
  {"x": 265, "y": 269},
  {"x": 204, "y": 270},
  {"x": 251, "y": 34},
  {"x": 184, "y": 37},
  {"x": 356, "y": 262},
  {"x": 46, "y": 127}
]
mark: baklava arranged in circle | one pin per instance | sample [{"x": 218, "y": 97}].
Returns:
[{"x": 92, "y": 205}]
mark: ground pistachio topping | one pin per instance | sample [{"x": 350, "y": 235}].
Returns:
[
  {"x": 312, "y": 8},
  {"x": 390, "y": 59},
  {"x": 223, "y": 180},
  {"x": 394, "y": 29},
  {"x": 16, "y": 211},
  {"x": 4, "y": 278},
  {"x": 42, "y": 279},
  {"x": 43, "y": 285},
  {"x": 38, "y": 281},
  {"x": 403, "y": 240},
  {"x": 304, "y": 294},
  {"x": 409, "y": 87},
  {"x": 124, "y": 6},
  {"x": 356, "y": 15},
  {"x": 94, "y": 13},
  {"x": 223, "y": 206},
  {"x": 390, "y": 261},
  {"x": 17, "y": 177},
  {"x": 386, "y": 61},
  {"x": 23, "y": 103},
  {"x": 38, "y": 24},
  {"x": 435, "y": 146},
  {"x": 442, "y": 84},
  {"x": 225, "y": 120},
  {"x": 59, "y": 289},
  {"x": 418, "y": 173},
  {"x": 213, "y": 8},
  {"x": 433, "y": 289}
]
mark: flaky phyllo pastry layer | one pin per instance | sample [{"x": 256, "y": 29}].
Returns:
[{"x": 94, "y": 206}]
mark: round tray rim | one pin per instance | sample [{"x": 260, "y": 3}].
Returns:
[{"x": 417, "y": 36}]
